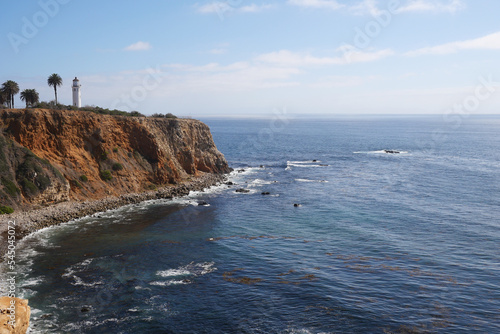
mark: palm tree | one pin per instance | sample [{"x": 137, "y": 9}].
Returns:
[
  {"x": 30, "y": 96},
  {"x": 2, "y": 98},
  {"x": 10, "y": 88},
  {"x": 55, "y": 81}
]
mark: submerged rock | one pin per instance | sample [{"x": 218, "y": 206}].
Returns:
[
  {"x": 266, "y": 193},
  {"x": 297, "y": 205},
  {"x": 242, "y": 190},
  {"x": 391, "y": 152}
]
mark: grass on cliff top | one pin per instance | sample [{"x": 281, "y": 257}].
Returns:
[{"x": 99, "y": 110}]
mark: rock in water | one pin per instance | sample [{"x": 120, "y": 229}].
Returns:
[
  {"x": 242, "y": 190},
  {"x": 16, "y": 322}
]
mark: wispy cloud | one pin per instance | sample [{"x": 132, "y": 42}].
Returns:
[
  {"x": 254, "y": 8},
  {"x": 488, "y": 42},
  {"x": 219, "y": 7},
  {"x": 320, "y": 4},
  {"x": 366, "y": 7},
  {"x": 349, "y": 56},
  {"x": 433, "y": 6},
  {"x": 372, "y": 7},
  {"x": 139, "y": 46}
]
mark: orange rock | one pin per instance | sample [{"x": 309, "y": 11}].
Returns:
[{"x": 14, "y": 323}]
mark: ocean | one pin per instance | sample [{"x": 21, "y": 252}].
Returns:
[{"x": 347, "y": 238}]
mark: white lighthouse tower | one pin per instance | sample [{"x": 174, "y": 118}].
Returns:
[{"x": 77, "y": 95}]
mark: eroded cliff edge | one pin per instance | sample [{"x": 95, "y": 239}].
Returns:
[{"x": 50, "y": 156}]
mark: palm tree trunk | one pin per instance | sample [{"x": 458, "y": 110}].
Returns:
[
  {"x": 55, "y": 92},
  {"x": 12, "y": 105}
]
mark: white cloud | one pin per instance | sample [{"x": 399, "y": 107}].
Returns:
[
  {"x": 349, "y": 55},
  {"x": 139, "y": 46},
  {"x": 253, "y": 8},
  {"x": 434, "y": 6},
  {"x": 371, "y": 7},
  {"x": 488, "y": 42},
  {"x": 366, "y": 7},
  {"x": 214, "y": 7},
  {"x": 321, "y": 4},
  {"x": 220, "y": 7}
]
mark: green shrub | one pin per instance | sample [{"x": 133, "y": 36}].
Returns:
[
  {"x": 29, "y": 187},
  {"x": 84, "y": 178},
  {"x": 104, "y": 156},
  {"x": 10, "y": 187},
  {"x": 117, "y": 166},
  {"x": 42, "y": 181},
  {"x": 5, "y": 210},
  {"x": 169, "y": 115},
  {"x": 115, "y": 149},
  {"x": 76, "y": 183},
  {"x": 106, "y": 175}
]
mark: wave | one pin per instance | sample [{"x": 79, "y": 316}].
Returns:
[
  {"x": 390, "y": 152},
  {"x": 182, "y": 274},
  {"x": 71, "y": 272},
  {"x": 171, "y": 282},
  {"x": 173, "y": 272},
  {"x": 306, "y": 180},
  {"x": 259, "y": 182},
  {"x": 303, "y": 162}
]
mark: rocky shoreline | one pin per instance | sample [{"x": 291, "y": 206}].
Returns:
[{"x": 30, "y": 221}]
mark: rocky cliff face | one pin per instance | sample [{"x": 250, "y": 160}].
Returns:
[{"x": 81, "y": 155}]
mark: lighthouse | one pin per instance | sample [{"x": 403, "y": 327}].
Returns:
[{"x": 77, "y": 95}]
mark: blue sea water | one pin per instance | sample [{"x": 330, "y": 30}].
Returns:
[{"x": 381, "y": 243}]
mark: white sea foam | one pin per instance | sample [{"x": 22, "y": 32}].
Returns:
[
  {"x": 170, "y": 282},
  {"x": 30, "y": 282},
  {"x": 306, "y": 166},
  {"x": 259, "y": 182},
  {"x": 71, "y": 272},
  {"x": 304, "y": 162},
  {"x": 306, "y": 180},
  {"x": 173, "y": 272},
  {"x": 190, "y": 270},
  {"x": 381, "y": 152}
]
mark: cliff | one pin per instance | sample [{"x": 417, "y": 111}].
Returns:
[{"x": 49, "y": 156}]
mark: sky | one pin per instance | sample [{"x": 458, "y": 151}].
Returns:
[{"x": 244, "y": 58}]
